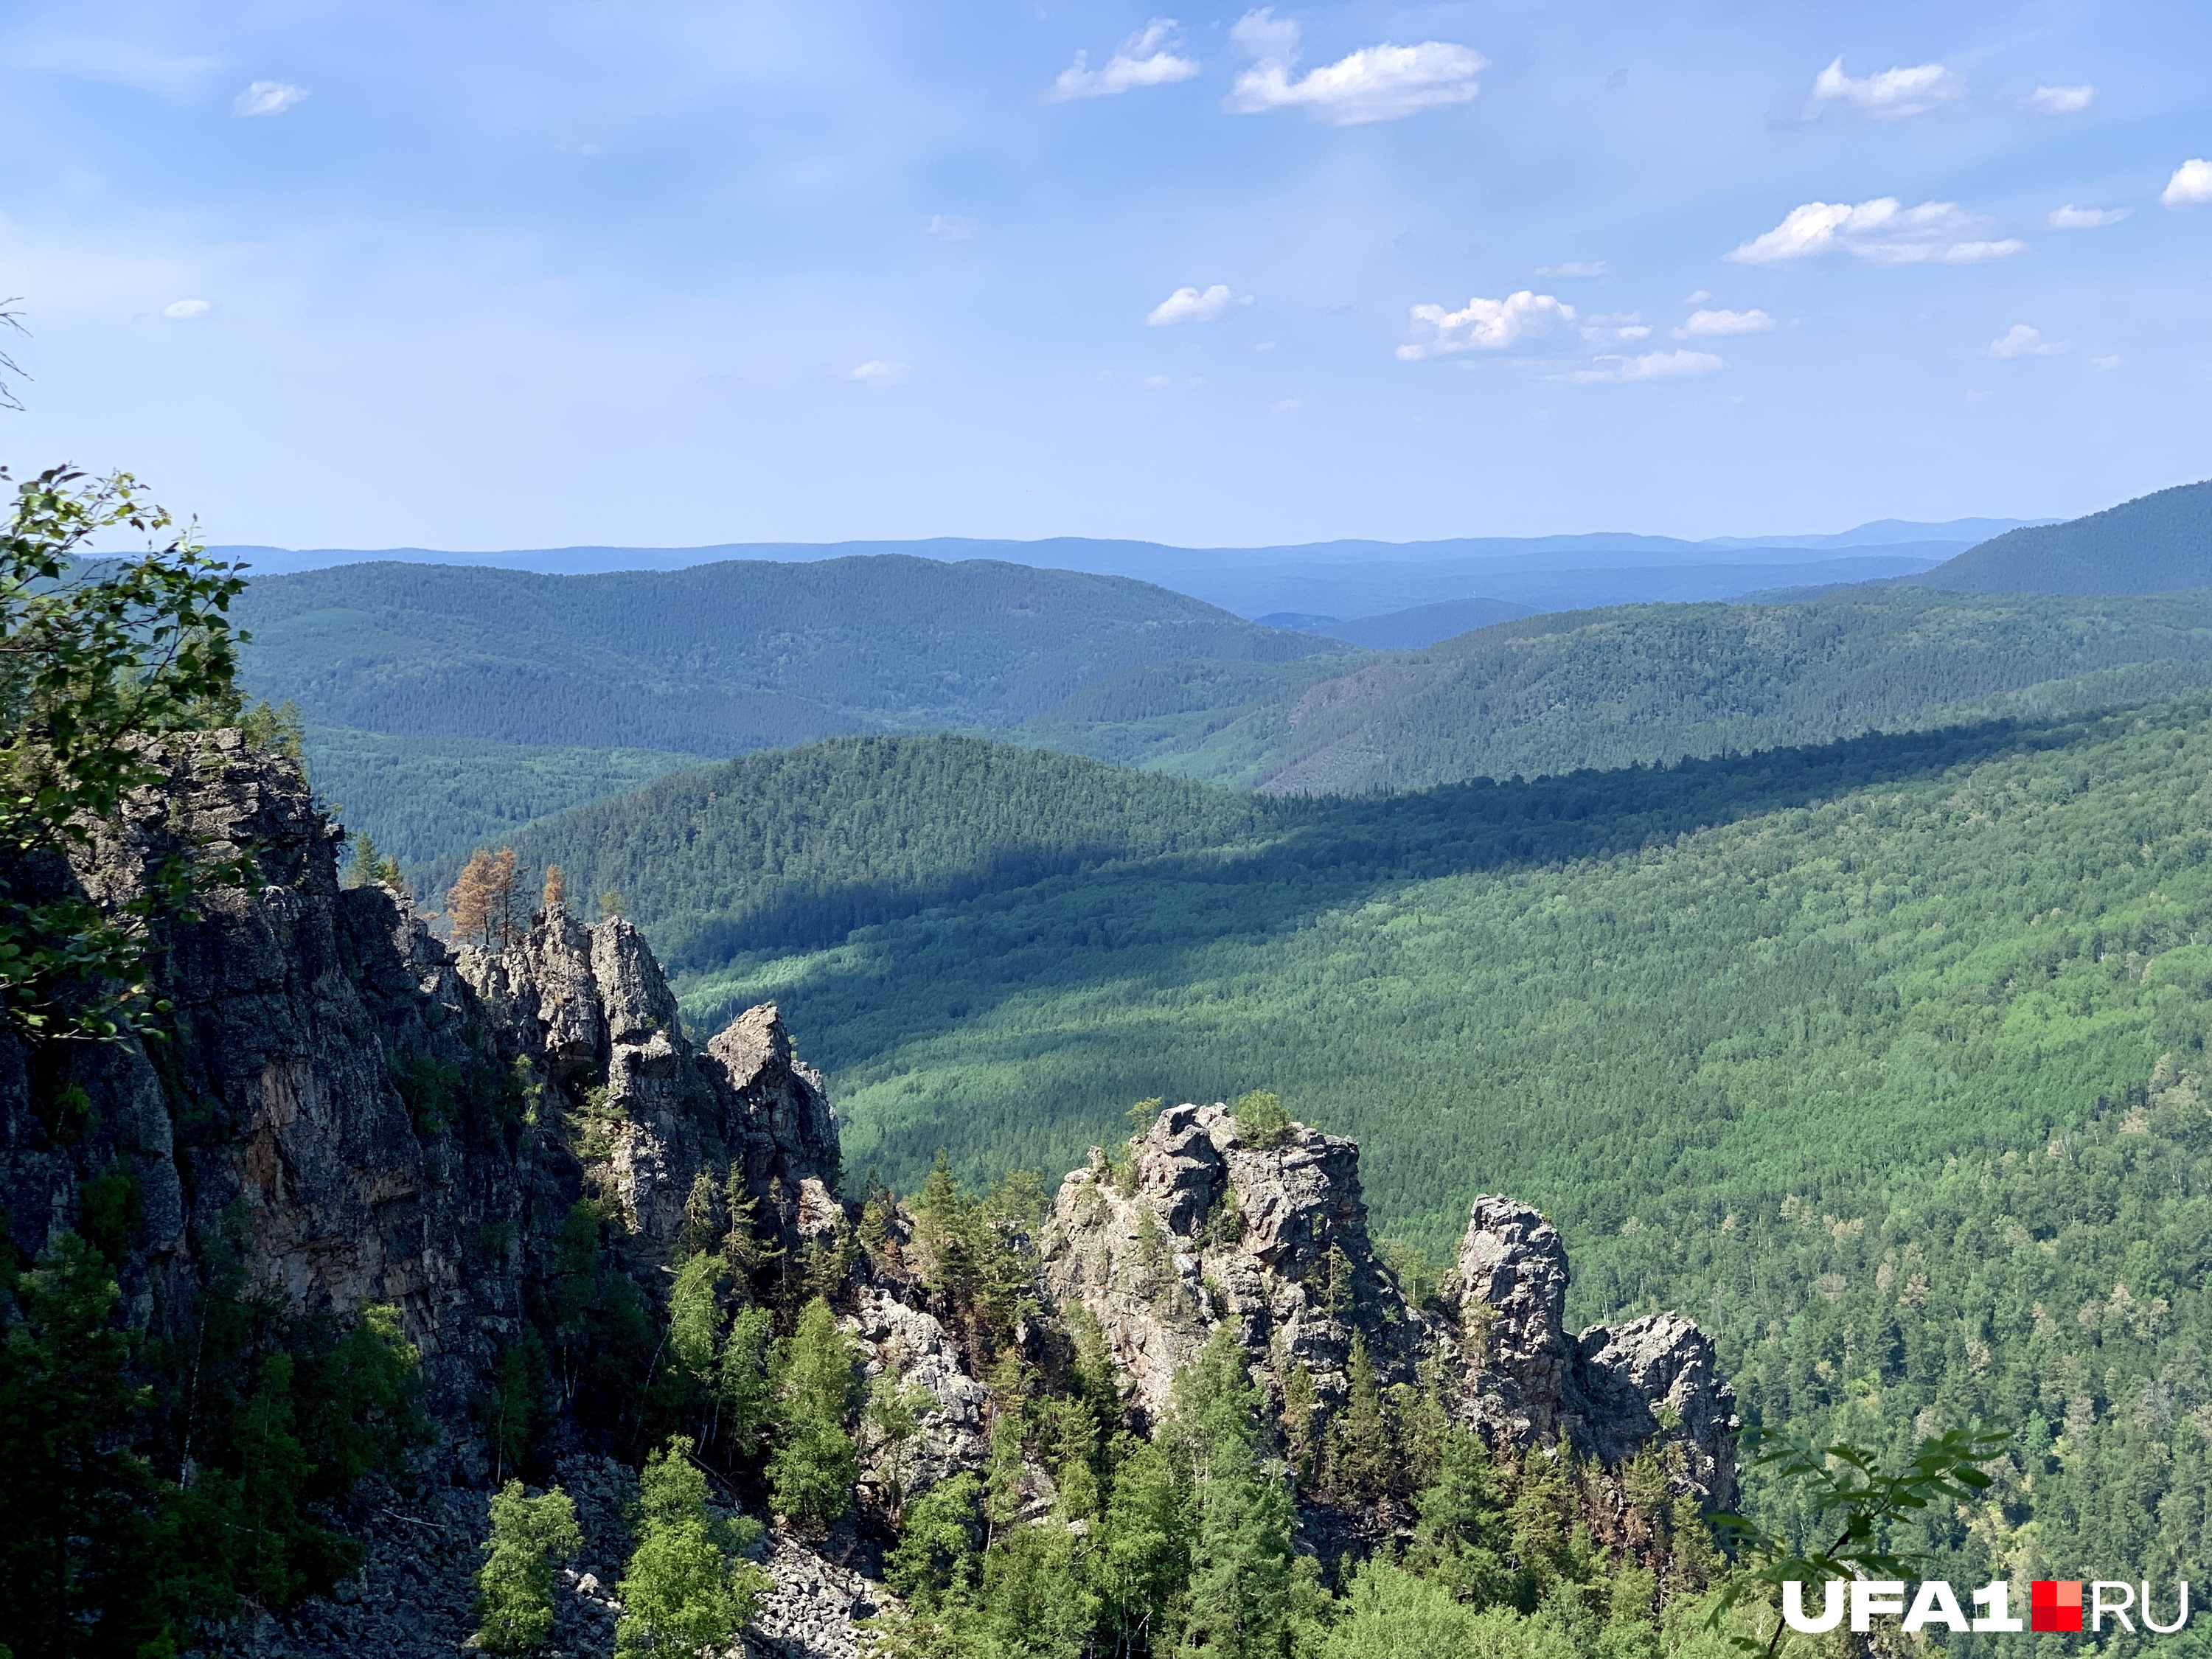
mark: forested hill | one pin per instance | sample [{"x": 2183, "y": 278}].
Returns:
[
  {"x": 1644, "y": 684},
  {"x": 800, "y": 847},
  {"x": 1889, "y": 1077},
  {"x": 2153, "y": 545},
  {"x": 716, "y": 659}
]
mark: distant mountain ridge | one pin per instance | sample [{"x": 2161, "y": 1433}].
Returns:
[
  {"x": 2155, "y": 544},
  {"x": 717, "y": 660}
]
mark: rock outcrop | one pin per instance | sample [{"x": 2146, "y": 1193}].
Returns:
[
  {"x": 359, "y": 1115},
  {"x": 1203, "y": 1225}
]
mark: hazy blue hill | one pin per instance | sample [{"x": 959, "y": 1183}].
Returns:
[
  {"x": 2153, "y": 545},
  {"x": 1424, "y": 624},
  {"x": 1657, "y": 683},
  {"x": 718, "y": 659},
  {"x": 800, "y": 847},
  {"x": 424, "y": 798}
]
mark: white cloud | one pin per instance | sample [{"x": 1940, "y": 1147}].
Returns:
[
  {"x": 1191, "y": 305},
  {"x": 1147, "y": 58},
  {"x": 877, "y": 372},
  {"x": 267, "y": 98},
  {"x": 2101, "y": 364},
  {"x": 1711, "y": 325},
  {"x": 1574, "y": 268},
  {"x": 2061, "y": 100},
  {"x": 1881, "y": 232},
  {"x": 1376, "y": 83},
  {"x": 1892, "y": 95},
  {"x": 2021, "y": 341},
  {"x": 1651, "y": 365},
  {"x": 1696, "y": 298},
  {"x": 1485, "y": 324},
  {"x": 2190, "y": 185},
  {"x": 2070, "y": 217},
  {"x": 183, "y": 311},
  {"x": 1612, "y": 328},
  {"x": 1156, "y": 382},
  {"x": 947, "y": 228}
]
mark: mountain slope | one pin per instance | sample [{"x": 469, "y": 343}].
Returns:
[
  {"x": 1653, "y": 683},
  {"x": 718, "y": 659},
  {"x": 800, "y": 847},
  {"x": 2153, "y": 545},
  {"x": 425, "y": 798}
]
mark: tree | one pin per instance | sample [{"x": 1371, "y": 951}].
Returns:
[
  {"x": 936, "y": 1556},
  {"x": 73, "y": 1534},
  {"x": 486, "y": 911},
  {"x": 100, "y": 663},
  {"x": 1360, "y": 1455},
  {"x": 1460, "y": 1530},
  {"x": 555, "y": 899},
  {"x": 611, "y": 903},
  {"x": 1260, "y": 1118},
  {"x": 687, "y": 1588},
  {"x": 368, "y": 867},
  {"x": 515, "y": 1586},
  {"x": 815, "y": 1463},
  {"x": 1239, "y": 1605}
]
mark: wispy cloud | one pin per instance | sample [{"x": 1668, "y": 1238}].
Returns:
[
  {"x": 1614, "y": 328},
  {"x": 2070, "y": 217},
  {"x": 877, "y": 372},
  {"x": 1147, "y": 58},
  {"x": 947, "y": 228},
  {"x": 1881, "y": 232},
  {"x": 2061, "y": 100},
  {"x": 1892, "y": 95},
  {"x": 183, "y": 311},
  {"x": 1574, "y": 268},
  {"x": 2190, "y": 185},
  {"x": 2021, "y": 341},
  {"x": 1713, "y": 325},
  {"x": 121, "y": 62},
  {"x": 1651, "y": 365},
  {"x": 1194, "y": 305},
  {"x": 1376, "y": 83},
  {"x": 267, "y": 98},
  {"x": 1484, "y": 325}
]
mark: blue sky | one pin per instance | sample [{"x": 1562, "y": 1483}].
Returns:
[{"x": 485, "y": 274}]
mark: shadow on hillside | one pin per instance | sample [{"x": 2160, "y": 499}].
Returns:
[{"x": 1316, "y": 854}]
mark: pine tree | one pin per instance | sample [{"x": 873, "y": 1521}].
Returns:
[
  {"x": 368, "y": 867},
  {"x": 815, "y": 1463},
  {"x": 515, "y": 1586},
  {"x": 1143, "y": 1564},
  {"x": 686, "y": 1588},
  {"x": 1239, "y": 1595},
  {"x": 555, "y": 899},
  {"x": 1460, "y": 1533},
  {"x": 1360, "y": 1455}
]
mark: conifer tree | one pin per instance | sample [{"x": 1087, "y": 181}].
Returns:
[
  {"x": 555, "y": 899},
  {"x": 815, "y": 1463},
  {"x": 687, "y": 1588},
  {"x": 515, "y": 1586},
  {"x": 1460, "y": 1533},
  {"x": 486, "y": 911},
  {"x": 1239, "y": 1595},
  {"x": 1360, "y": 1452}
]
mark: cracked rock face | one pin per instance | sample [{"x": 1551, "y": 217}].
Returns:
[
  {"x": 1206, "y": 1227},
  {"x": 1608, "y": 1391},
  {"x": 910, "y": 1344}
]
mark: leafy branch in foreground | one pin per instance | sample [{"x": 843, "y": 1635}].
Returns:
[
  {"x": 1846, "y": 1489},
  {"x": 100, "y": 659}
]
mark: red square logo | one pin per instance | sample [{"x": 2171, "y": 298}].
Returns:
[{"x": 2055, "y": 1604}]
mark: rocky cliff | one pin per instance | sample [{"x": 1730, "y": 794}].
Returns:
[
  {"x": 342, "y": 1111},
  {"x": 1203, "y": 1226}
]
